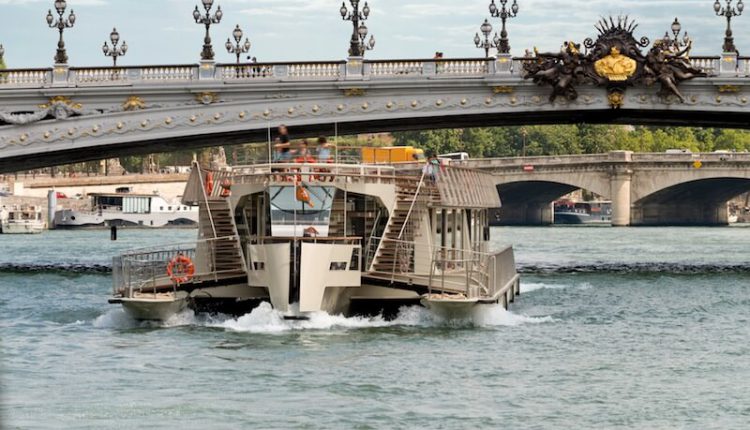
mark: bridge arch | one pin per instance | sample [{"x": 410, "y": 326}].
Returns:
[
  {"x": 694, "y": 202},
  {"x": 529, "y": 202}
]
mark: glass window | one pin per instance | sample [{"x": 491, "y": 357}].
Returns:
[{"x": 300, "y": 210}]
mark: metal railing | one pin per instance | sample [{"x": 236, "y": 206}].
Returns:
[
  {"x": 145, "y": 270},
  {"x": 300, "y": 71},
  {"x": 473, "y": 273},
  {"x": 312, "y": 173}
]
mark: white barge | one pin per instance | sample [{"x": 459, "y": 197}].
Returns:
[
  {"x": 343, "y": 239},
  {"x": 23, "y": 219},
  {"x": 128, "y": 210}
]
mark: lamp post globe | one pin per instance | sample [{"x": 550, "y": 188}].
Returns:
[
  {"x": 115, "y": 52},
  {"x": 207, "y": 54},
  {"x": 504, "y": 13},
  {"x": 61, "y": 57},
  {"x": 358, "y": 43},
  {"x": 676, "y": 27}
]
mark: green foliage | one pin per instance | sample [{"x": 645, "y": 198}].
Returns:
[{"x": 573, "y": 139}]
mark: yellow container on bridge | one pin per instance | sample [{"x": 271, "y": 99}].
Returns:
[{"x": 391, "y": 154}]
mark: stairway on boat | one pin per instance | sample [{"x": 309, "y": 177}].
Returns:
[
  {"x": 218, "y": 226},
  {"x": 396, "y": 251}
]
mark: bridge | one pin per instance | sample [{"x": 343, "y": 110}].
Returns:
[
  {"x": 645, "y": 189},
  {"x": 65, "y": 115}
]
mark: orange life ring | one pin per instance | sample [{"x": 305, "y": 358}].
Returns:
[
  {"x": 209, "y": 183},
  {"x": 181, "y": 269}
]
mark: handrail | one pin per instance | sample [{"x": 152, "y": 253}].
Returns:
[
  {"x": 205, "y": 198},
  {"x": 411, "y": 207}
]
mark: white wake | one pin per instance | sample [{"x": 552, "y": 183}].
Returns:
[{"x": 265, "y": 319}]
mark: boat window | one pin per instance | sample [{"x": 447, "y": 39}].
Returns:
[
  {"x": 302, "y": 210},
  {"x": 161, "y": 208},
  {"x": 169, "y": 208},
  {"x": 338, "y": 266},
  {"x": 259, "y": 265},
  {"x": 354, "y": 263},
  {"x": 136, "y": 205}
]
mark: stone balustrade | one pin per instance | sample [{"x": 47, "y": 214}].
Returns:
[
  {"x": 62, "y": 76},
  {"x": 25, "y": 78}
]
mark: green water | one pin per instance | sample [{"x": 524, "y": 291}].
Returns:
[{"x": 616, "y": 328}]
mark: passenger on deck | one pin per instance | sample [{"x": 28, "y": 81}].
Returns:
[
  {"x": 282, "y": 148},
  {"x": 324, "y": 151},
  {"x": 303, "y": 154}
]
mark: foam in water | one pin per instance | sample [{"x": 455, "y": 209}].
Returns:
[
  {"x": 527, "y": 287},
  {"x": 265, "y": 319}
]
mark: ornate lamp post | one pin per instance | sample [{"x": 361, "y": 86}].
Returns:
[
  {"x": 115, "y": 51},
  {"x": 357, "y": 47},
  {"x": 208, "y": 51},
  {"x": 675, "y": 43},
  {"x": 729, "y": 12},
  {"x": 487, "y": 44},
  {"x": 61, "y": 24},
  {"x": 237, "y": 48},
  {"x": 504, "y": 13}
]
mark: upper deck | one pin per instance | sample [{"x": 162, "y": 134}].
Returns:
[{"x": 449, "y": 186}]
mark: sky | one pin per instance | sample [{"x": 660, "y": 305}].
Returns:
[{"x": 163, "y": 31}]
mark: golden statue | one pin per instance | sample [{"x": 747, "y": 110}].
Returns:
[{"x": 615, "y": 66}]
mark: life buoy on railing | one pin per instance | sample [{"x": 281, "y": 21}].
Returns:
[
  {"x": 226, "y": 188},
  {"x": 181, "y": 269},
  {"x": 209, "y": 183}
]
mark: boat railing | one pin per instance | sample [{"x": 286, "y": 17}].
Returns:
[
  {"x": 475, "y": 274},
  {"x": 145, "y": 270},
  {"x": 313, "y": 173}
]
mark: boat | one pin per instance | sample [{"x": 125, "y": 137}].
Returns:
[
  {"x": 590, "y": 212},
  {"x": 124, "y": 209},
  {"x": 22, "y": 219},
  {"x": 348, "y": 239}
]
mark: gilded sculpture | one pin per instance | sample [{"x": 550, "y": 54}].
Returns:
[
  {"x": 614, "y": 60},
  {"x": 615, "y": 66}
]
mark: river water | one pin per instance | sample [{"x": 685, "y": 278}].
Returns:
[{"x": 616, "y": 329}]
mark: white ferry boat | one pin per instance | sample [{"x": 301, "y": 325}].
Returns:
[
  {"x": 343, "y": 239},
  {"x": 22, "y": 220},
  {"x": 123, "y": 209}
]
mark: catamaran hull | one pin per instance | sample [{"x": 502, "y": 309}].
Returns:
[{"x": 143, "y": 309}]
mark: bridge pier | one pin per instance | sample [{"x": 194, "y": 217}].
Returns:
[
  {"x": 527, "y": 214},
  {"x": 689, "y": 213},
  {"x": 620, "y": 183}
]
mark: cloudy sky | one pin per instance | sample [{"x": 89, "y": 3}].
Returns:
[{"x": 163, "y": 32}]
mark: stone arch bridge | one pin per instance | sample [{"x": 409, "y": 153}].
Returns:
[{"x": 645, "y": 189}]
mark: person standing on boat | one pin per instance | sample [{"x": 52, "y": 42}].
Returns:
[
  {"x": 324, "y": 151},
  {"x": 432, "y": 168},
  {"x": 282, "y": 148},
  {"x": 303, "y": 154}
]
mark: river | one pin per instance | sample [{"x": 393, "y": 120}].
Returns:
[{"x": 615, "y": 329}]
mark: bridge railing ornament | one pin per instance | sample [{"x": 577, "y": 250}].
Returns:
[
  {"x": 393, "y": 69},
  {"x": 743, "y": 67},
  {"x": 708, "y": 65},
  {"x": 99, "y": 76},
  {"x": 25, "y": 78}
]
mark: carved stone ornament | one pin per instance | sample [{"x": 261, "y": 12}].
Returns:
[
  {"x": 133, "y": 103},
  {"x": 207, "y": 98},
  {"x": 355, "y": 92},
  {"x": 615, "y": 61},
  {"x": 58, "y": 107}
]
